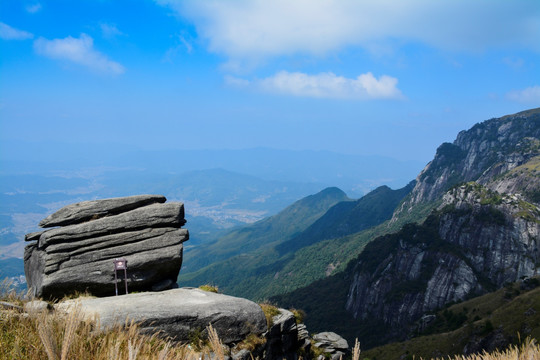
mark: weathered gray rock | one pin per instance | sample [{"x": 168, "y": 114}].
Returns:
[
  {"x": 241, "y": 355},
  {"x": 332, "y": 344},
  {"x": 80, "y": 257},
  {"x": 152, "y": 216},
  {"x": 331, "y": 339},
  {"x": 477, "y": 239},
  {"x": 87, "y": 210},
  {"x": 10, "y": 306},
  {"x": 36, "y": 306},
  {"x": 487, "y": 150},
  {"x": 282, "y": 337},
  {"x": 33, "y": 236},
  {"x": 176, "y": 313}
]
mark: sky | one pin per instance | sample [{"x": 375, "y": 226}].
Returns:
[{"x": 385, "y": 77}]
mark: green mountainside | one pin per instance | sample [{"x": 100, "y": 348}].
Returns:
[
  {"x": 349, "y": 217},
  {"x": 276, "y": 228},
  {"x": 284, "y": 266}
]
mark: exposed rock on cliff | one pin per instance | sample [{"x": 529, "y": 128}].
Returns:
[
  {"x": 487, "y": 150},
  {"x": 79, "y": 256},
  {"x": 282, "y": 338},
  {"x": 477, "y": 241}
]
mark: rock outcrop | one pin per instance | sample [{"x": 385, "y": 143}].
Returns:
[
  {"x": 332, "y": 344},
  {"x": 282, "y": 338},
  {"x": 79, "y": 255},
  {"x": 176, "y": 313},
  {"x": 487, "y": 150},
  {"x": 476, "y": 241},
  {"x": 288, "y": 340}
]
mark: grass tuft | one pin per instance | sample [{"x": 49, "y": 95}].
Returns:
[
  {"x": 209, "y": 288},
  {"x": 269, "y": 311}
]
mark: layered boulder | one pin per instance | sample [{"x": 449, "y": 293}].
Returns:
[{"x": 78, "y": 255}]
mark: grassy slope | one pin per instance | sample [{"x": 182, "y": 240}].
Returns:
[{"x": 508, "y": 311}]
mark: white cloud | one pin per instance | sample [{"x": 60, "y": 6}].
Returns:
[
  {"x": 182, "y": 44},
  {"x": 9, "y": 33},
  {"x": 262, "y": 28},
  {"x": 33, "y": 8},
  {"x": 236, "y": 81},
  {"x": 110, "y": 31},
  {"x": 513, "y": 62},
  {"x": 78, "y": 50},
  {"x": 325, "y": 85},
  {"x": 530, "y": 95},
  {"x": 187, "y": 44}
]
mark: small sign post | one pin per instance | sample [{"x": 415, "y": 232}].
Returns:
[{"x": 120, "y": 264}]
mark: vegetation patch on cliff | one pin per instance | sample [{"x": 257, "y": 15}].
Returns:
[{"x": 498, "y": 319}]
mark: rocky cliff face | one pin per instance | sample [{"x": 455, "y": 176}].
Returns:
[
  {"x": 78, "y": 256},
  {"x": 483, "y": 234},
  {"x": 476, "y": 241},
  {"x": 487, "y": 150}
]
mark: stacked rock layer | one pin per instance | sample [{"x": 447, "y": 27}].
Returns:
[{"x": 78, "y": 253}]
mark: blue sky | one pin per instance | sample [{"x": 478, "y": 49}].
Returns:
[{"x": 392, "y": 78}]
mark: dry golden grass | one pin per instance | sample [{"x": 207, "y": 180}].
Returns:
[
  {"x": 54, "y": 336},
  {"x": 269, "y": 312},
  {"x": 529, "y": 350}
]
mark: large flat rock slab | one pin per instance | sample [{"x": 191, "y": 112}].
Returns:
[
  {"x": 86, "y": 210},
  {"x": 176, "y": 313}
]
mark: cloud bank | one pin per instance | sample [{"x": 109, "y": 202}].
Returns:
[
  {"x": 324, "y": 85},
  {"x": 77, "y": 50},
  {"x": 9, "y": 33},
  {"x": 261, "y": 28}
]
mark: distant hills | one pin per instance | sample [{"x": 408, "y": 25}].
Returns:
[
  {"x": 215, "y": 199},
  {"x": 221, "y": 188},
  {"x": 354, "y": 174}
]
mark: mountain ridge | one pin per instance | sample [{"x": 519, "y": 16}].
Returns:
[{"x": 474, "y": 241}]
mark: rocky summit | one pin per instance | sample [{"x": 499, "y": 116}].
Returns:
[{"x": 78, "y": 255}]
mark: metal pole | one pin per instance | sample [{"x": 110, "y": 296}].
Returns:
[
  {"x": 115, "y": 282},
  {"x": 125, "y": 278}
]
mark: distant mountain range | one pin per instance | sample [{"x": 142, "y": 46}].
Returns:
[
  {"x": 215, "y": 199},
  {"x": 355, "y": 174}
]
